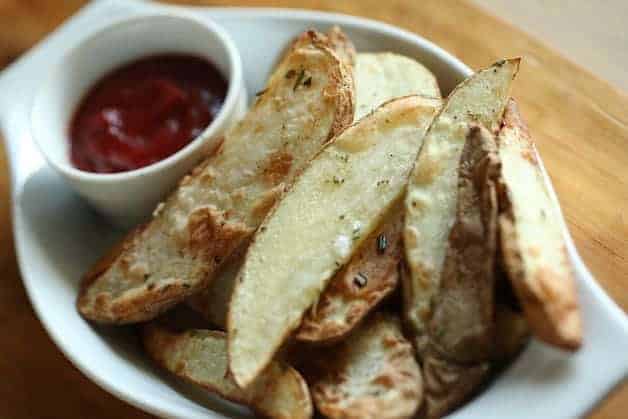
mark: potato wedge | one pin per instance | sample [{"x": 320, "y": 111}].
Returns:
[
  {"x": 330, "y": 210},
  {"x": 220, "y": 205},
  {"x": 369, "y": 277},
  {"x": 372, "y": 374},
  {"x": 380, "y": 77},
  {"x": 461, "y": 332},
  {"x": 462, "y": 327},
  {"x": 532, "y": 240},
  {"x": 200, "y": 357},
  {"x": 432, "y": 193}
]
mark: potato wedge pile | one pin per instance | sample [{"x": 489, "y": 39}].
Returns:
[{"x": 357, "y": 246}]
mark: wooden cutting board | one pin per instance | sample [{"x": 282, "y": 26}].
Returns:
[{"x": 580, "y": 124}]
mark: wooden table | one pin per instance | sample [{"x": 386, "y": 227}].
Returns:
[{"x": 579, "y": 121}]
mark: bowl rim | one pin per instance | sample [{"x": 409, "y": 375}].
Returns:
[{"x": 234, "y": 90}]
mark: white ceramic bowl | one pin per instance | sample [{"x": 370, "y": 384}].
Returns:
[
  {"x": 128, "y": 197},
  {"x": 57, "y": 237}
]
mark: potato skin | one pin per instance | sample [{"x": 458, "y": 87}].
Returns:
[
  {"x": 537, "y": 266},
  {"x": 461, "y": 334},
  {"x": 463, "y": 323}
]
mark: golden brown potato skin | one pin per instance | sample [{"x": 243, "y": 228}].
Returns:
[
  {"x": 462, "y": 326},
  {"x": 537, "y": 266},
  {"x": 461, "y": 333}
]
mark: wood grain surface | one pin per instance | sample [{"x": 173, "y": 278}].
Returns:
[{"x": 580, "y": 124}]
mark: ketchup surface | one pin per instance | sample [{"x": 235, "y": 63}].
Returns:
[{"x": 144, "y": 112}]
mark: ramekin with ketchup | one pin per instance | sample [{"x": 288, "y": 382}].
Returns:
[{"x": 135, "y": 105}]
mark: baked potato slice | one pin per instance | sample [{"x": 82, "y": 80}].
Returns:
[
  {"x": 533, "y": 246},
  {"x": 369, "y": 277},
  {"x": 217, "y": 207},
  {"x": 382, "y": 76},
  {"x": 462, "y": 327},
  {"x": 331, "y": 209},
  {"x": 461, "y": 333},
  {"x": 200, "y": 357},
  {"x": 432, "y": 191},
  {"x": 371, "y": 374}
]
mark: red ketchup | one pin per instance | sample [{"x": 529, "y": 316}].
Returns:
[{"x": 144, "y": 112}]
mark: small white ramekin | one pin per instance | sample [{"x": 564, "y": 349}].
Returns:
[{"x": 129, "y": 197}]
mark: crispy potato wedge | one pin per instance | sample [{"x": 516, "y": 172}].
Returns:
[
  {"x": 432, "y": 193},
  {"x": 461, "y": 332},
  {"x": 462, "y": 327},
  {"x": 532, "y": 240},
  {"x": 200, "y": 357},
  {"x": 369, "y": 277},
  {"x": 380, "y": 77},
  {"x": 220, "y": 205},
  {"x": 330, "y": 210},
  {"x": 371, "y": 374}
]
